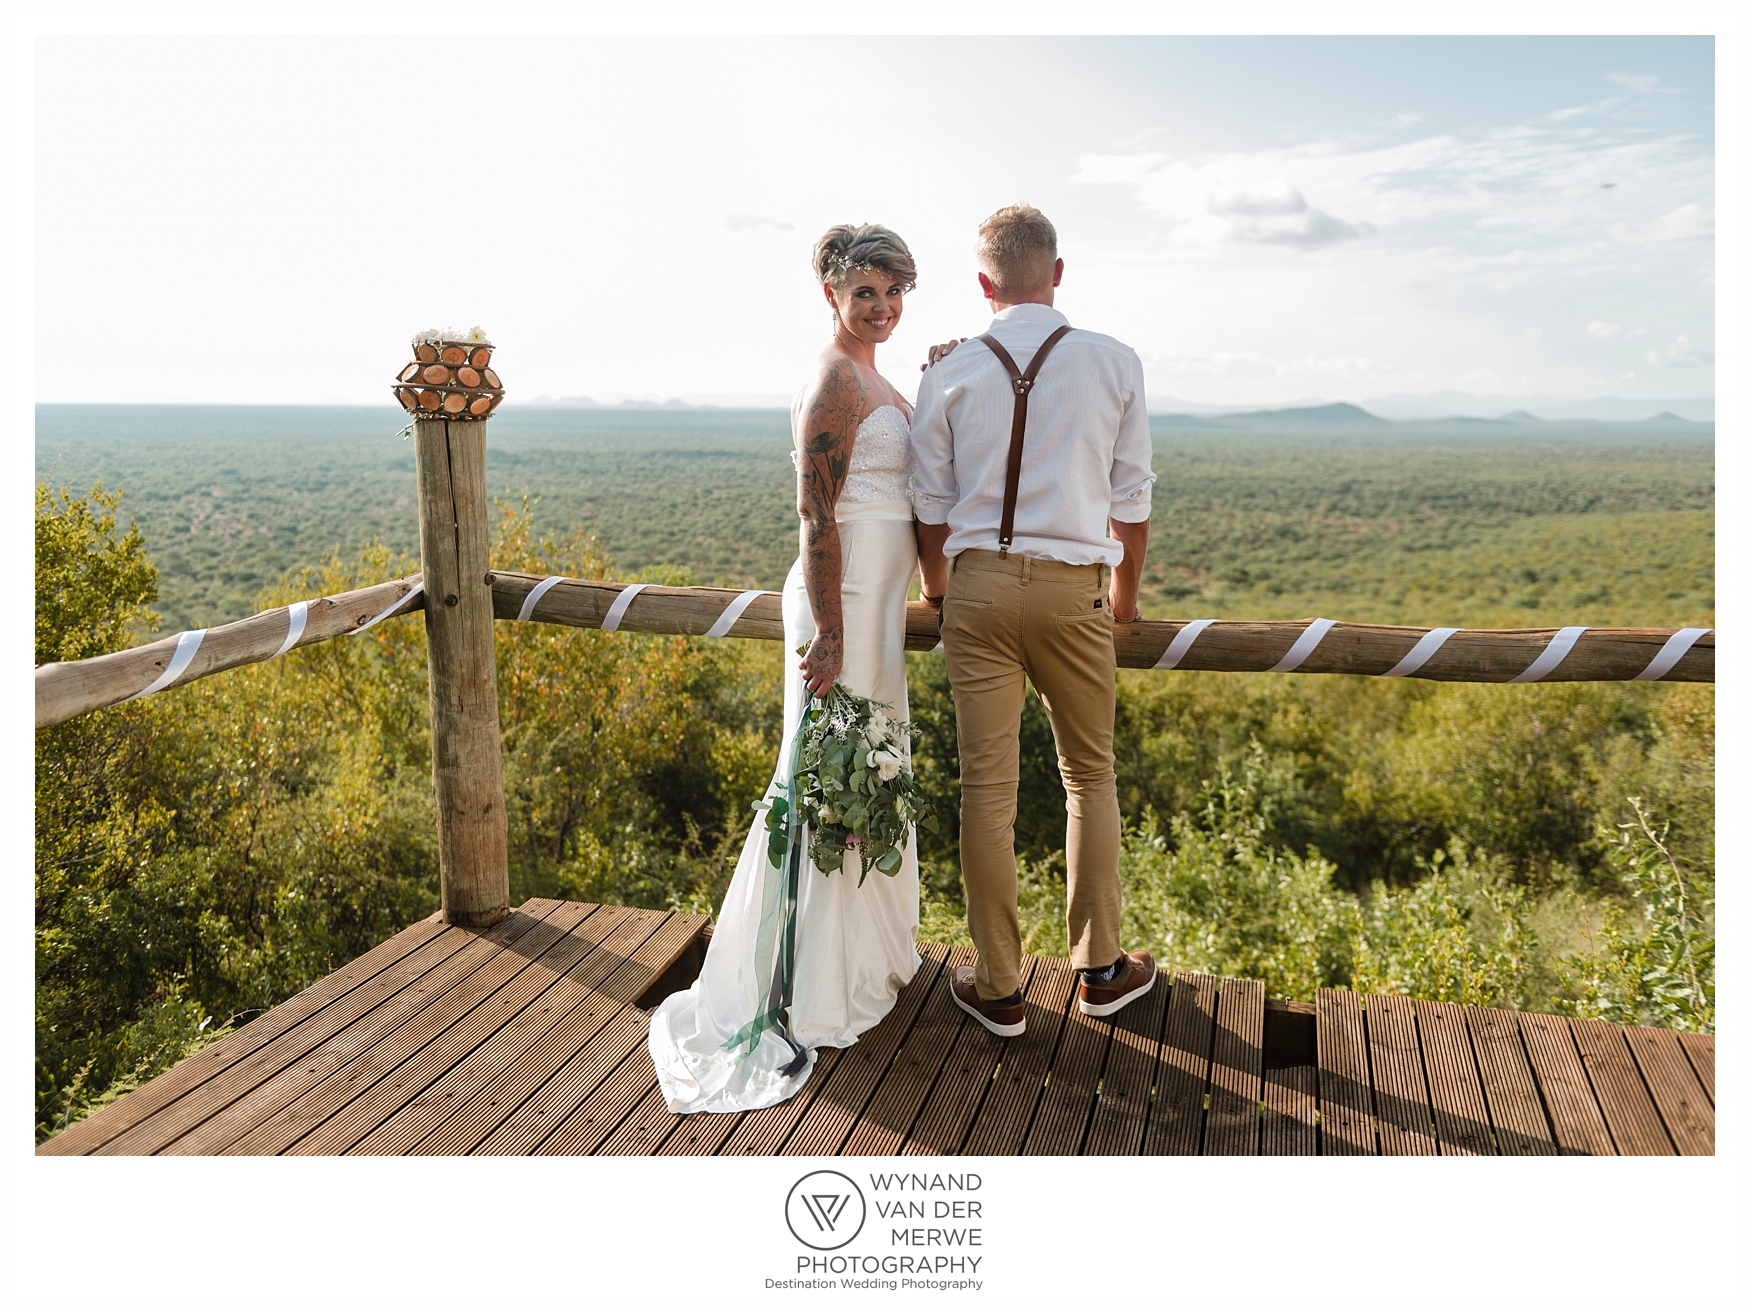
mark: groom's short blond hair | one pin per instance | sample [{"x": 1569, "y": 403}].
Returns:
[{"x": 1017, "y": 249}]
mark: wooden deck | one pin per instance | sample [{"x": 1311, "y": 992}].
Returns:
[{"x": 529, "y": 1038}]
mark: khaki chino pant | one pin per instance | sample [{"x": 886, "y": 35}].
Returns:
[{"x": 1008, "y": 619}]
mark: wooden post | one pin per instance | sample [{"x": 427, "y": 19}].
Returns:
[{"x": 466, "y": 767}]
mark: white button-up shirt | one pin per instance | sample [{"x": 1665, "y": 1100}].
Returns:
[{"x": 1086, "y": 457}]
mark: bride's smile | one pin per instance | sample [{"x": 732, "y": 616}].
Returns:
[{"x": 868, "y": 306}]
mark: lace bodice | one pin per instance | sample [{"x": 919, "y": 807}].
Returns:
[{"x": 881, "y": 459}]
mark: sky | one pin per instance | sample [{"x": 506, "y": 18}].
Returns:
[{"x": 1266, "y": 220}]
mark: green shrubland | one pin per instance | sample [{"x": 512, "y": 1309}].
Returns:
[{"x": 205, "y": 853}]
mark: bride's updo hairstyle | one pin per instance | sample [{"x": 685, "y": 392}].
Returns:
[{"x": 846, "y": 250}]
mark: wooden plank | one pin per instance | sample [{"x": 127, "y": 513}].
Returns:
[
  {"x": 1060, "y": 1124},
  {"x": 948, "y": 1114},
  {"x": 1509, "y": 1087},
  {"x": 537, "y": 1118},
  {"x": 153, "y": 1096},
  {"x": 306, "y": 1096},
  {"x": 1699, "y": 1048},
  {"x": 763, "y": 1132},
  {"x": 1622, "y": 1094},
  {"x": 455, "y": 1090},
  {"x": 396, "y": 1069},
  {"x": 887, "y": 1118},
  {"x": 606, "y": 1109},
  {"x": 296, "y": 1100},
  {"x": 1345, "y": 1086},
  {"x": 533, "y": 1047},
  {"x": 1461, "y": 1115},
  {"x": 704, "y": 1132},
  {"x": 1236, "y": 1070},
  {"x": 1175, "y": 1123},
  {"x": 1009, "y": 1106},
  {"x": 1683, "y": 1104},
  {"x": 856, "y": 1076},
  {"x": 1288, "y": 1125},
  {"x": 650, "y": 1125},
  {"x": 1400, "y": 1090},
  {"x": 378, "y": 1005},
  {"x": 1127, "y": 1086},
  {"x": 1567, "y": 1094}
]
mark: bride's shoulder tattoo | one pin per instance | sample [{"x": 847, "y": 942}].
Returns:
[{"x": 829, "y": 429}]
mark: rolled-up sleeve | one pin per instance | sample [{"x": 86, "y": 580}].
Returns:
[
  {"x": 1133, "y": 475},
  {"x": 936, "y": 492}
]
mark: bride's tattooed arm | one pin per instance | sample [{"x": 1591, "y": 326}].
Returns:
[{"x": 829, "y": 428}]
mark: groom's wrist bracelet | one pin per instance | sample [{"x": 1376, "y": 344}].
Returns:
[{"x": 934, "y": 602}]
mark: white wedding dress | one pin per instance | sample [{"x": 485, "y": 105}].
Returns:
[{"x": 721, "y": 1045}]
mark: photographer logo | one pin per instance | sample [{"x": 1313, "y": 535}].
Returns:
[{"x": 825, "y": 1210}]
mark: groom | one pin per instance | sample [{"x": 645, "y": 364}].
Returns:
[{"x": 1032, "y": 444}]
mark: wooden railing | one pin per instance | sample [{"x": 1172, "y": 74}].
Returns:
[
  {"x": 462, "y": 597},
  {"x": 1468, "y": 655}
]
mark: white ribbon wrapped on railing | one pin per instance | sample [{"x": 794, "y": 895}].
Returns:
[
  {"x": 1304, "y": 645},
  {"x": 1421, "y": 653},
  {"x": 297, "y": 614},
  {"x": 539, "y": 590},
  {"x": 186, "y": 646},
  {"x": 617, "y": 611},
  {"x": 389, "y": 609},
  {"x": 1675, "y": 648},
  {"x": 1551, "y": 656},
  {"x": 1181, "y": 643},
  {"x": 733, "y": 611}
]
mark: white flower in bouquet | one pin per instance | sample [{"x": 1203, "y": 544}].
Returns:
[
  {"x": 885, "y": 763},
  {"x": 851, "y": 788}
]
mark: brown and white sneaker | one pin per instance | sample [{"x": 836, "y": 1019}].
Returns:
[
  {"x": 1108, "y": 998},
  {"x": 1004, "y": 1020}
]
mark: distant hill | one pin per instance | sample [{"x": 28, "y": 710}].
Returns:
[
  {"x": 1352, "y": 418},
  {"x": 1339, "y": 415}
]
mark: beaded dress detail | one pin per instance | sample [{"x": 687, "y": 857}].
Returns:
[{"x": 881, "y": 459}]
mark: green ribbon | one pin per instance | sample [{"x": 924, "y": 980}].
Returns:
[{"x": 775, "y": 947}]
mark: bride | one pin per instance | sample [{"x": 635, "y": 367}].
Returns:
[{"x": 744, "y": 1035}]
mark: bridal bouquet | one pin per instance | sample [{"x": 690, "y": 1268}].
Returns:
[{"x": 850, "y": 787}]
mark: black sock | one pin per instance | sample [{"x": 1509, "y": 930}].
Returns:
[
  {"x": 1013, "y": 999},
  {"x": 1107, "y": 975}
]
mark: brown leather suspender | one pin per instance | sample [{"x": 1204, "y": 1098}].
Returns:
[{"x": 1018, "y": 433}]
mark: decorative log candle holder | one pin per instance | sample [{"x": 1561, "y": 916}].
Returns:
[{"x": 449, "y": 379}]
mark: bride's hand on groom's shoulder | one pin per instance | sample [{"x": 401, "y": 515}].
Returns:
[{"x": 941, "y": 352}]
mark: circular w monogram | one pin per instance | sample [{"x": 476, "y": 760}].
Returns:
[{"x": 825, "y": 1210}]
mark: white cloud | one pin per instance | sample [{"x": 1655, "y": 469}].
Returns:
[
  {"x": 1405, "y": 120},
  {"x": 1598, "y": 329},
  {"x": 1642, "y": 82},
  {"x": 1681, "y": 355},
  {"x": 1529, "y": 185},
  {"x": 1244, "y": 364},
  {"x": 1278, "y": 214},
  {"x": 1681, "y": 224},
  {"x": 742, "y": 222}
]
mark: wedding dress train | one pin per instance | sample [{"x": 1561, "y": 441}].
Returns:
[{"x": 716, "y": 1046}]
